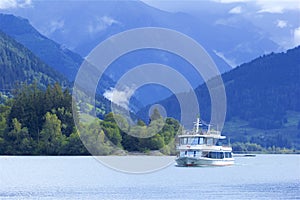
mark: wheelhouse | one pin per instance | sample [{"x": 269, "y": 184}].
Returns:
[{"x": 199, "y": 140}]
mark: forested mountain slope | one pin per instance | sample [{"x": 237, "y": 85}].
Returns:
[
  {"x": 18, "y": 64},
  {"x": 262, "y": 101}
]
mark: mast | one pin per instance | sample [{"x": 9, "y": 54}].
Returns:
[{"x": 197, "y": 125}]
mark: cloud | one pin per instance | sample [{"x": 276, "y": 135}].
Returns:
[
  {"x": 268, "y": 6},
  {"x": 281, "y": 23},
  {"x": 119, "y": 97},
  {"x": 231, "y": 63},
  {"x": 56, "y": 25},
  {"x": 277, "y": 6},
  {"x": 101, "y": 24},
  {"x": 7, "y": 4},
  {"x": 296, "y": 36},
  {"x": 108, "y": 20},
  {"x": 236, "y": 10},
  {"x": 274, "y": 9}
]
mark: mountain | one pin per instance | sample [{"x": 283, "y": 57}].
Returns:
[
  {"x": 101, "y": 19},
  {"x": 55, "y": 55},
  {"x": 18, "y": 64},
  {"x": 262, "y": 100},
  {"x": 98, "y": 20}
]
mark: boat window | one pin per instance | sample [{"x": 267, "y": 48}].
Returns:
[
  {"x": 228, "y": 155},
  {"x": 194, "y": 141},
  {"x": 190, "y": 140},
  {"x": 221, "y": 155},
  {"x": 194, "y": 153},
  {"x": 200, "y": 140},
  {"x": 212, "y": 155},
  {"x": 216, "y": 155},
  {"x": 190, "y": 153},
  {"x": 183, "y": 140},
  {"x": 217, "y": 142},
  {"x": 209, "y": 141}
]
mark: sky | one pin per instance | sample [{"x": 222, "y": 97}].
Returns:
[
  {"x": 5, "y": 4},
  {"x": 284, "y": 29},
  {"x": 272, "y": 6},
  {"x": 284, "y": 32}
]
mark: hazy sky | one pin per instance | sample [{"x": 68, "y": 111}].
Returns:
[
  {"x": 273, "y": 6},
  {"x": 284, "y": 28},
  {"x": 177, "y": 5}
]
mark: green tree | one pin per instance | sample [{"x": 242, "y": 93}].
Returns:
[
  {"x": 4, "y": 110},
  {"x": 112, "y": 132},
  {"x": 27, "y": 107},
  {"x": 111, "y": 128},
  {"x": 18, "y": 139},
  {"x": 51, "y": 137},
  {"x": 95, "y": 139},
  {"x": 155, "y": 115},
  {"x": 75, "y": 146},
  {"x": 141, "y": 123}
]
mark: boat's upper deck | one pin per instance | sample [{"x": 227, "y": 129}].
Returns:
[{"x": 210, "y": 134}]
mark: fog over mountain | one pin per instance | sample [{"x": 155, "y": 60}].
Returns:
[
  {"x": 280, "y": 20},
  {"x": 232, "y": 33}
]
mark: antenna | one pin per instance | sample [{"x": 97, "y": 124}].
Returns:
[{"x": 197, "y": 125}]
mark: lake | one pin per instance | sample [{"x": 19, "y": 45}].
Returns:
[{"x": 42, "y": 177}]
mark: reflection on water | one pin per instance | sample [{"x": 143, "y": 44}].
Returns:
[{"x": 262, "y": 177}]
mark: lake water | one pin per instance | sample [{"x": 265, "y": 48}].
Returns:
[{"x": 261, "y": 177}]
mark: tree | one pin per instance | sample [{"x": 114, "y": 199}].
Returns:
[
  {"x": 27, "y": 107},
  {"x": 112, "y": 132},
  {"x": 94, "y": 138},
  {"x": 4, "y": 110},
  {"x": 51, "y": 136},
  {"x": 75, "y": 146},
  {"x": 141, "y": 123},
  {"x": 155, "y": 115},
  {"x": 18, "y": 139}
]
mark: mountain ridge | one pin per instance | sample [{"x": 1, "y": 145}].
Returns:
[
  {"x": 19, "y": 64},
  {"x": 100, "y": 20},
  {"x": 55, "y": 55},
  {"x": 261, "y": 95}
]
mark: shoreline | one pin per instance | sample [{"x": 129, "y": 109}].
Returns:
[{"x": 154, "y": 153}]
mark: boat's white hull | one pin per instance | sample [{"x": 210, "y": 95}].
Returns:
[{"x": 201, "y": 161}]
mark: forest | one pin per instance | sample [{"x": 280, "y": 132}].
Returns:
[
  {"x": 36, "y": 115},
  {"x": 263, "y": 104},
  {"x": 40, "y": 122}
]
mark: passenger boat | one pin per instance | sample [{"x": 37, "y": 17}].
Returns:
[{"x": 200, "y": 148}]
